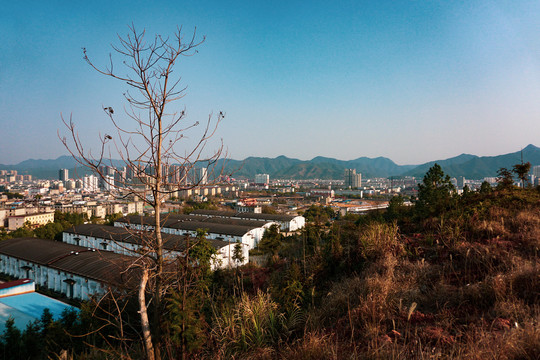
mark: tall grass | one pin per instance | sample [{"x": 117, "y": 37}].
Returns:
[{"x": 253, "y": 326}]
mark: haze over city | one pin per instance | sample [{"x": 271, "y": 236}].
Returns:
[{"x": 411, "y": 81}]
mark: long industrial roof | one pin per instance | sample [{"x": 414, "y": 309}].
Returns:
[
  {"x": 103, "y": 266},
  {"x": 232, "y": 214},
  {"x": 121, "y": 234},
  {"x": 181, "y": 223}
]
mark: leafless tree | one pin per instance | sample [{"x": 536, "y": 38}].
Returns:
[{"x": 154, "y": 151}]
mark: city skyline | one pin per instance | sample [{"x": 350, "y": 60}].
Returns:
[{"x": 412, "y": 82}]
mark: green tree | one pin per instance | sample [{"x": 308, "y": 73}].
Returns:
[
  {"x": 505, "y": 179},
  {"x": 435, "y": 193},
  {"x": 522, "y": 170},
  {"x": 50, "y": 231},
  {"x": 267, "y": 209},
  {"x": 11, "y": 341},
  {"x": 271, "y": 240},
  {"x": 187, "y": 324},
  {"x": 22, "y": 232},
  {"x": 396, "y": 208},
  {"x": 238, "y": 253},
  {"x": 319, "y": 214},
  {"x": 111, "y": 218},
  {"x": 485, "y": 188}
]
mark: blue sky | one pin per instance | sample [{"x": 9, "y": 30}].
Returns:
[{"x": 413, "y": 80}]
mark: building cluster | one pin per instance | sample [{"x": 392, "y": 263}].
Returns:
[
  {"x": 11, "y": 176},
  {"x": 91, "y": 258}
]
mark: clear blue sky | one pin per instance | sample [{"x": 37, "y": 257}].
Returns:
[{"x": 412, "y": 80}]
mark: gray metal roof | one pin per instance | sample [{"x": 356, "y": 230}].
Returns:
[
  {"x": 223, "y": 229},
  {"x": 175, "y": 223},
  {"x": 232, "y": 214},
  {"x": 103, "y": 266},
  {"x": 213, "y": 219},
  {"x": 121, "y": 234}
]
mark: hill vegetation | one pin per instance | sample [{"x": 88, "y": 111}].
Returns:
[
  {"x": 450, "y": 277},
  {"x": 282, "y": 167}
]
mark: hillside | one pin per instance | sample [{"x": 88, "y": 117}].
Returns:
[
  {"x": 282, "y": 167},
  {"x": 474, "y": 167}
]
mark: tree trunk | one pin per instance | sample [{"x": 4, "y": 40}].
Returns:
[{"x": 147, "y": 336}]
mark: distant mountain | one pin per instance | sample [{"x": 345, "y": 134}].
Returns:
[
  {"x": 475, "y": 167},
  {"x": 319, "y": 167},
  {"x": 282, "y": 167},
  {"x": 48, "y": 169},
  {"x": 420, "y": 170}
]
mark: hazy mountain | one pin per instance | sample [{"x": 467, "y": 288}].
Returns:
[
  {"x": 470, "y": 166},
  {"x": 420, "y": 170},
  {"x": 317, "y": 168},
  {"x": 475, "y": 167}
]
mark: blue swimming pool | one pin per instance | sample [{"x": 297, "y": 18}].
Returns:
[{"x": 29, "y": 307}]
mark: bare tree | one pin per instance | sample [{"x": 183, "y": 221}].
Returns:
[{"x": 154, "y": 151}]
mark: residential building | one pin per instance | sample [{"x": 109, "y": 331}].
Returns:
[
  {"x": 201, "y": 176},
  {"x": 262, "y": 179},
  {"x": 352, "y": 180},
  {"x": 18, "y": 221},
  {"x": 63, "y": 174}
]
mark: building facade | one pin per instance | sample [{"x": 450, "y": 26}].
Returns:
[{"x": 351, "y": 179}]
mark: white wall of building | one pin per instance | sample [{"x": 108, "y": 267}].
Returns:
[{"x": 52, "y": 279}]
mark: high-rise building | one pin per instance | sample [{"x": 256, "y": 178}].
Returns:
[
  {"x": 536, "y": 175},
  {"x": 352, "y": 179},
  {"x": 460, "y": 182},
  {"x": 262, "y": 179},
  {"x": 536, "y": 171},
  {"x": 63, "y": 174},
  {"x": 177, "y": 175},
  {"x": 201, "y": 176},
  {"x": 90, "y": 183}
]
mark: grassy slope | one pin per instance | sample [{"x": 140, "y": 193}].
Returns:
[{"x": 464, "y": 286}]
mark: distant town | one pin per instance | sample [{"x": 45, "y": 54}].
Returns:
[{"x": 24, "y": 200}]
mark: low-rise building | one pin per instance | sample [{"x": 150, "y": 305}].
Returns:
[
  {"x": 75, "y": 271},
  {"x": 131, "y": 242},
  {"x": 18, "y": 221},
  {"x": 179, "y": 225},
  {"x": 287, "y": 222}
]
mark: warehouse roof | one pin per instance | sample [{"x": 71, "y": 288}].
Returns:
[
  {"x": 176, "y": 223},
  {"x": 232, "y": 214},
  {"x": 213, "y": 219},
  {"x": 103, "y": 266},
  {"x": 121, "y": 234}
]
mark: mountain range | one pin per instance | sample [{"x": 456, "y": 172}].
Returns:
[{"x": 282, "y": 167}]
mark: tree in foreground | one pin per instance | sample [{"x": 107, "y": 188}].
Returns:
[
  {"x": 435, "y": 193},
  {"x": 154, "y": 150}
]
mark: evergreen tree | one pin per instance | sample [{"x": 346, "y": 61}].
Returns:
[
  {"x": 522, "y": 170},
  {"x": 505, "y": 179},
  {"x": 435, "y": 193}
]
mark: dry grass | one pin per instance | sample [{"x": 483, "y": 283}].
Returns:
[{"x": 467, "y": 287}]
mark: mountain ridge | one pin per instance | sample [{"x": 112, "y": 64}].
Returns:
[{"x": 320, "y": 167}]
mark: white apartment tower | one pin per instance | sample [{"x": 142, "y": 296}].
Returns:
[{"x": 201, "y": 176}]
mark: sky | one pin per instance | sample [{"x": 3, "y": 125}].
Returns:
[{"x": 413, "y": 81}]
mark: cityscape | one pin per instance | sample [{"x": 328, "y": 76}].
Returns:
[{"x": 260, "y": 181}]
